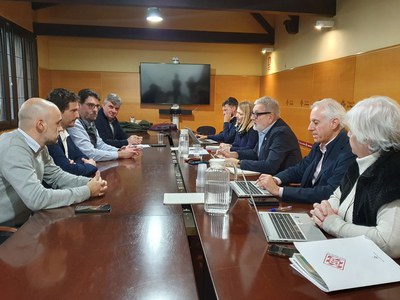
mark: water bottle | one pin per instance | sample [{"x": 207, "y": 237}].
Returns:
[
  {"x": 217, "y": 190},
  {"x": 184, "y": 143}
]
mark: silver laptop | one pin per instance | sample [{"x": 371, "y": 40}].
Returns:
[
  {"x": 241, "y": 190},
  {"x": 200, "y": 141},
  {"x": 284, "y": 227}
]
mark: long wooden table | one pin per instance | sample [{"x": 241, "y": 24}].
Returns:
[
  {"x": 138, "y": 251},
  {"x": 141, "y": 250},
  {"x": 234, "y": 250}
]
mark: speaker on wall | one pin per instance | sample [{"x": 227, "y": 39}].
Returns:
[{"x": 292, "y": 24}]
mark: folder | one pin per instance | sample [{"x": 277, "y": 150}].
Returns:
[{"x": 344, "y": 263}]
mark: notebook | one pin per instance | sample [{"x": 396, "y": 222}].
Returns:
[
  {"x": 282, "y": 227},
  {"x": 199, "y": 141}
]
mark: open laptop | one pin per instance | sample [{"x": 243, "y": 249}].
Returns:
[
  {"x": 241, "y": 190},
  {"x": 284, "y": 227},
  {"x": 200, "y": 141}
]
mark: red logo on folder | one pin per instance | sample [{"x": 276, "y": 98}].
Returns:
[{"x": 334, "y": 261}]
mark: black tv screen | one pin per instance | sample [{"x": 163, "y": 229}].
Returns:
[{"x": 174, "y": 83}]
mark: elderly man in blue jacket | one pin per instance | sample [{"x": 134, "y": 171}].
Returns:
[{"x": 321, "y": 171}]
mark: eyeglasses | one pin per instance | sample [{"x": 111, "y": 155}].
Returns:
[
  {"x": 257, "y": 114},
  {"x": 92, "y": 105}
]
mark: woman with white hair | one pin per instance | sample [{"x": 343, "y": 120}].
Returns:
[{"x": 367, "y": 202}]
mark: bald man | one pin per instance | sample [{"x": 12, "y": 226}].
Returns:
[{"x": 25, "y": 162}]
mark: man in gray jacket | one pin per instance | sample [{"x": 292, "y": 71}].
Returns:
[{"x": 25, "y": 162}]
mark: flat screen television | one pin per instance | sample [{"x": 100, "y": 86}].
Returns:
[{"x": 174, "y": 83}]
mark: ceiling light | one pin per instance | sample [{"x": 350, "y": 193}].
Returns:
[
  {"x": 154, "y": 15},
  {"x": 325, "y": 24}
]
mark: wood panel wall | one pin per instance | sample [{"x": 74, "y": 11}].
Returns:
[
  {"x": 127, "y": 86},
  {"x": 347, "y": 80}
]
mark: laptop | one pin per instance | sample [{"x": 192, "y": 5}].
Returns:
[
  {"x": 284, "y": 227},
  {"x": 241, "y": 190},
  {"x": 200, "y": 141}
]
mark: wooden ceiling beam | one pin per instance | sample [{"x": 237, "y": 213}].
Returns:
[
  {"x": 153, "y": 34},
  {"x": 318, "y": 7}
]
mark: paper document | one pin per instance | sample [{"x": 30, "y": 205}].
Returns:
[
  {"x": 183, "y": 198},
  {"x": 244, "y": 172},
  {"x": 194, "y": 151},
  {"x": 346, "y": 263}
]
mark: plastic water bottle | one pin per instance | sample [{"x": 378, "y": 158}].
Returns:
[
  {"x": 217, "y": 190},
  {"x": 184, "y": 143},
  {"x": 201, "y": 175}
]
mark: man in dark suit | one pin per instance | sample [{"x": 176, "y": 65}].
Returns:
[
  {"x": 65, "y": 153},
  {"x": 228, "y": 134},
  {"x": 277, "y": 147},
  {"x": 108, "y": 126},
  {"x": 320, "y": 173}
]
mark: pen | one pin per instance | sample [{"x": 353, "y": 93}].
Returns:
[{"x": 280, "y": 208}]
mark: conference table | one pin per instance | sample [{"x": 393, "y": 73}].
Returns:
[{"x": 144, "y": 249}]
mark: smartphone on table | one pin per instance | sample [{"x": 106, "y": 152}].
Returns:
[
  {"x": 281, "y": 250},
  {"x": 87, "y": 209}
]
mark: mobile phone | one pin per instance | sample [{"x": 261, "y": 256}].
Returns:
[
  {"x": 87, "y": 209},
  {"x": 281, "y": 250},
  {"x": 266, "y": 201}
]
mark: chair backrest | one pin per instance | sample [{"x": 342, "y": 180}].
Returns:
[
  {"x": 6, "y": 232},
  {"x": 206, "y": 130}
]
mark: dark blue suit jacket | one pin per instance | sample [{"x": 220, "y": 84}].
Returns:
[
  {"x": 336, "y": 161},
  {"x": 227, "y": 135},
  {"x": 245, "y": 140},
  {"x": 279, "y": 150},
  {"x": 118, "y": 139},
  {"x": 57, "y": 152}
]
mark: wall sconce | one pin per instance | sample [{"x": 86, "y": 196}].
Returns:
[
  {"x": 154, "y": 15},
  {"x": 325, "y": 24},
  {"x": 267, "y": 50}
]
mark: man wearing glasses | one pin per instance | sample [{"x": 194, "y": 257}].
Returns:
[
  {"x": 277, "y": 147},
  {"x": 85, "y": 135}
]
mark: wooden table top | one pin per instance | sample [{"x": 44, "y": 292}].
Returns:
[
  {"x": 138, "y": 251},
  {"x": 235, "y": 247}
]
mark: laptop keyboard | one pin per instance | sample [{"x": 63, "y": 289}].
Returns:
[
  {"x": 253, "y": 189},
  {"x": 286, "y": 226}
]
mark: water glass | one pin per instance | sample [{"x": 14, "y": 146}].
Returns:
[{"x": 160, "y": 138}]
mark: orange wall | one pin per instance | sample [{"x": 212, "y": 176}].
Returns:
[
  {"x": 347, "y": 80},
  {"x": 127, "y": 86}
]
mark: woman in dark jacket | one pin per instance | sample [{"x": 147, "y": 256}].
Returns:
[{"x": 246, "y": 137}]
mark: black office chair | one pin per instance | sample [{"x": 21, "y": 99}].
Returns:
[{"x": 206, "y": 130}]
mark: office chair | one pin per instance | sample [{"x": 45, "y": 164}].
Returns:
[
  {"x": 206, "y": 130},
  {"x": 6, "y": 232}
]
